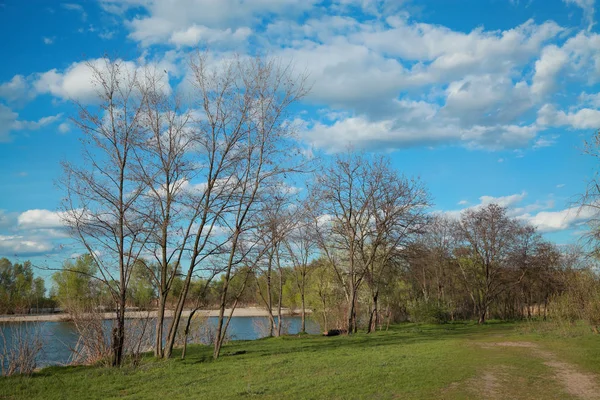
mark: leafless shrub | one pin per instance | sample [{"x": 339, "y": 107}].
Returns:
[
  {"x": 20, "y": 349},
  {"x": 139, "y": 338},
  {"x": 262, "y": 326},
  {"x": 93, "y": 343}
]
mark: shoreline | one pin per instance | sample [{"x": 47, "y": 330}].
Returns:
[{"x": 64, "y": 317}]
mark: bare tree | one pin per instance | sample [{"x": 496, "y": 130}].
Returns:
[
  {"x": 368, "y": 212},
  {"x": 102, "y": 196},
  {"x": 399, "y": 215},
  {"x": 301, "y": 246},
  {"x": 241, "y": 144},
  {"x": 489, "y": 239},
  {"x": 164, "y": 165}
]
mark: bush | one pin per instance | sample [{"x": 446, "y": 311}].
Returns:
[
  {"x": 429, "y": 312},
  {"x": 579, "y": 302}
]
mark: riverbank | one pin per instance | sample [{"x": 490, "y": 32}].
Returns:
[
  {"x": 409, "y": 361},
  {"x": 238, "y": 312}
]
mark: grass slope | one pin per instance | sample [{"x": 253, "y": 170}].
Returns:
[{"x": 456, "y": 361}]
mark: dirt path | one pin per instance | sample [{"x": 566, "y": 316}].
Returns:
[{"x": 576, "y": 383}]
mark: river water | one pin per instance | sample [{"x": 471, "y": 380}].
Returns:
[{"x": 59, "y": 338}]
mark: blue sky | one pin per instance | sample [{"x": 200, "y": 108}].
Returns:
[{"x": 485, "y": 100}]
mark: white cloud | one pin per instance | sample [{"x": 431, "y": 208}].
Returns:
[
  {"x": 587, "y": 6},
  {"x": 76, "y": 82},
  {"x": 552, "y": 221},
  {"x": 551, "y": 62},
  {"x": 164, "y": 19},
  {"x": 17, "y": 90},
  {"x": 9, "y": 122},
  {"x": 77, "y": 8},
  {"x": 537, "y": 214},
  {"x": 545, "y": 142},
  {"x": 64, "y": 127},
  {"x": 578, "y": 59},
  {"x": 585, "y": 118},
  {"x": 588, "y": 99},
  {"x": 418, "y": 125},
  {"x": 195, "y": 34},
  {"x": 40, "y": 219},
  {"x": 48, "y": 40},
  {"x": 503, "y": 201},
  {"x": 23, "y": 246}
]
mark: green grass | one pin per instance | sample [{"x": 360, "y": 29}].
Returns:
[{"x": 454, "y": 361}]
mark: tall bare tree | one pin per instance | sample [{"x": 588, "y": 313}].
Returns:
[
  {"x": 268, "y": 150},
  {"x": 164, "y": 165},
  {"x": 103, "y": 198}
]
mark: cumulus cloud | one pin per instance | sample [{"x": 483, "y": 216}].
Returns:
[
  {"x": 539, "y": 214},
  {"x": 552, "y": 221},
  {"x": 585, "y": 118},
  {"x": 578, "y": 59},
  {"x": 9, "y": 122},
  {"x": 23, "y": 246},
  {"x": 162, "y": 20},
  {"x": 195, "y": 34},
  {"x": 77, "y": 81},
  {"x": 40, "y": 219},
  {"x": 17, "y": 90},
  {"x": 437, "y": 85},
  {"x": 418, "y": 125},
  {"x": 31, "y": 233}
]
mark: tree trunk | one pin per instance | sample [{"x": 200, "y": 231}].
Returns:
[
  {"x": 303, "y": 326},
  {"x": 177, "y": 316},
  {"x": 160, "y": 320},
  {"x": 374, "y": 316},
  {"x": 351, "y": 304},
  {"x": 186, "y": 333},
  {"x": 119, "y": 334},
  {"x": 279, "y": 318},
  {"x": 270, "y": 299},
  {"x": 482, "y": 315}
]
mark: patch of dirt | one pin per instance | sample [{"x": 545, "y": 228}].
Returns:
[
  {"x": 491, "y": 385},
  {"x": 488, "y": 385},
  {"x": 576, "y": 383},
  {"x": 528, "y": 345}
]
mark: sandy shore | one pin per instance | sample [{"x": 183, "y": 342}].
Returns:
[{"x": 239, "y": 312}]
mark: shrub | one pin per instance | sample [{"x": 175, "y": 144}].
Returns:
[{"x": 429, "y": 312}]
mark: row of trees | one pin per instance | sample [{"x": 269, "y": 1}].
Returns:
[
  {"x": 194, "y": 193},
  {"x": 20, "y": 292},
  {"x": 180, "y": 182}
]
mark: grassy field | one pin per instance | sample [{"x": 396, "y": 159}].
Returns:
[{"x": 454, "y": 361}]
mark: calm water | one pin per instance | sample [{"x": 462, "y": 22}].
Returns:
[{"x": 60, "y": 337}]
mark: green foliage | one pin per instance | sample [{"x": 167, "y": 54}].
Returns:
[
  {"x": 75, "y": 285},
  {"x": 579, "y": 301},
  {"x": 428, "y": 312},
  {"x": 141, "y": 286},
  {"x": 19, "y": 291}
]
